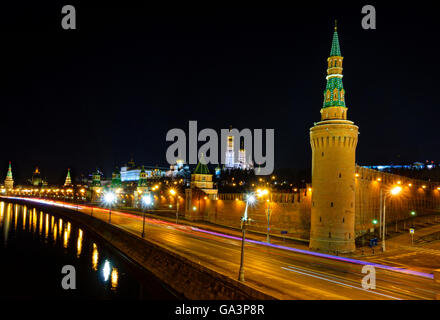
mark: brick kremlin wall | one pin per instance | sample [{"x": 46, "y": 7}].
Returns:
[{"x": 291, "y": 211}]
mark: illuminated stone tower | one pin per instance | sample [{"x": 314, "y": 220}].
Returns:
[
  {"x": 68, "y": 181},
  {"x": 9, "y": 181},
  {"x": 116, "y": 179},
  {"x": 333, "y": 142},
  {"x": 230, "y": 161},
  {"x": 96, "y": 186}
]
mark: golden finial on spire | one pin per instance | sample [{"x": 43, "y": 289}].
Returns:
[{"x": 336, "y": 25}]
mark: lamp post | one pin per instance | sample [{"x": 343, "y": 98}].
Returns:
[
  {"x": 146, "y": 202},
  {"x": 394, "y": 191},
  {"x": 244, "y": 220},
  {"x": 109, "y": 199},
  {"x": 174, "y": 193}
]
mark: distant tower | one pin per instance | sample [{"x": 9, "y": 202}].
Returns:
[
  {"x": 143, "y": 178},
  {"x": 242, "y": 156},
  {"x": 202, "y": 179},
  {"x": 68, "y": 181},
  {"x": 9, "y": 181},
  {"x": 116, "y": 178},
  {"x": 333, "y": 141},
  {"x": 96, "y": 186},
  {"x": 229, "y": 159},
  {"x": 36, "y": 178},
  {"x": 96, "y": 179}
]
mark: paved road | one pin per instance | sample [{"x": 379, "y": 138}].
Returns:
[{"x": 280, "y": 272}]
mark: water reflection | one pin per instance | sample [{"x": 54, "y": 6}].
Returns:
[
  {"x": 95, "y": 257},
  {"x": 106, "y": 270},
  {"x": 114, "y": 279},
  {"x": 2, "y": 210},
  {"x": 69, "y": 244},
  {"x": 41, "y": 223},
  {"x": 79, "y": 243}
]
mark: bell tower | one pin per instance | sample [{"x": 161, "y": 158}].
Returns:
[{"x": 333, "y": 141}]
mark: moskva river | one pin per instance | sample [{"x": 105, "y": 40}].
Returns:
[{"x": 36, "y": 245}]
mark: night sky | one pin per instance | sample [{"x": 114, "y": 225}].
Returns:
[{"x": 95, "y": 96}]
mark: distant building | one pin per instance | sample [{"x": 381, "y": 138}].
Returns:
[
  {"x": 37, "y": 180},
  {"x": 242, "y": 162},
  {"x": 415, "y": 166},
  {"x": 202, "y": 179},
  {"x": 9, "y": 181},
  {"x": 131, "y": 172},
  {"x": 68, "y": 181}
]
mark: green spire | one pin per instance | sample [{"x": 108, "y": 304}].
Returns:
[
  {"x": 68, "y": 181},
  {"x": 143, "y": 178},
  {"x": 336, "y": 50},
  {"x": 9, "y": 175},
  {"x": 334, "y": 93},
  {"x": 116, "y": 178},
  {"x": 201, "y": 168}
]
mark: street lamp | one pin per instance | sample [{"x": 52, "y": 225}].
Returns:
[
  {"x": 173, "y": 193},
  {"x": 146, "y": 202},
  {"x": 250, "y": 199},
  {"x": 394, "y": 191},
  {"x": 109, "y": 199}
]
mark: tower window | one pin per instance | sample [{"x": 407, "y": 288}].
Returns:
[
  {"x": 340, "y": 175},
  {"x": 323, "y": 154},
  {"x": 343, "y": 220},
  {"x": 329, "y": 234},
  {"x": 331, "y": 204},
  {"x": 320, "y": 219}
]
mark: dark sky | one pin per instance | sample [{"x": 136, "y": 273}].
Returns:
[{"x": 92, "y": 97}]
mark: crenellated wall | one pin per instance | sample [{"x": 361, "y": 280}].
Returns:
[
  {"x": 291, "y": 211},
  {"x": 422, "y": 197}
]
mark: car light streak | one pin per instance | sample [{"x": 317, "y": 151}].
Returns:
[
  {"x": 340, "y": 283},
  {"x": 173, "y": 225}
]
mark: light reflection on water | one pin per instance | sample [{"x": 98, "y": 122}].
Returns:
[
  {"x": 53, "y": 226},
  {"x": 38, "y": 244}
]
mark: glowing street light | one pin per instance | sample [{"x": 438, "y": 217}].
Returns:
[
  {"x": 393, "y": 192},
  {"x": 173, "y": 193}
]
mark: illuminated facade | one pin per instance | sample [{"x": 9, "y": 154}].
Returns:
[
  {"x": 230, "y": 163},
  {"x": 202, "y": 179},
  {"x": 9, "y": 181},
  {"x": 68, "y": 181},
  {"x": 131, "y": 172},
  {"x": 333, "y": 141}
]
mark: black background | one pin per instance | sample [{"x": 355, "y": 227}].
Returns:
[{"x": 94, "y": 96}]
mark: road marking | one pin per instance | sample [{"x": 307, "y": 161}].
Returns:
[{"x": 341, "y": 283}]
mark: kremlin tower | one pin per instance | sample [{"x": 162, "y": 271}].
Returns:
[
  {"x": 68, "y": 181},
  {"x": 333, "y": 141},
  {"x": 9, "y": 181}
]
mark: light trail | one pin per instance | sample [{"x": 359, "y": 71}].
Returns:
[
  {"x": 340, "y": 283},
  {"x": 323, "y": 255},
  {"x": 311, "y": 253}
]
